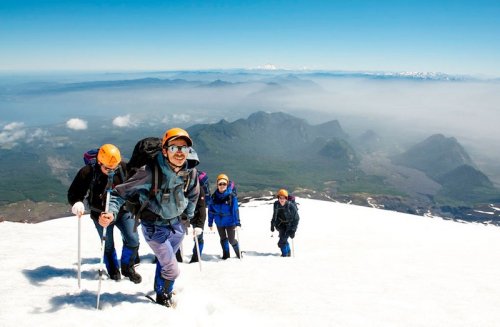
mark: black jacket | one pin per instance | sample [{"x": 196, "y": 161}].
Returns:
[
  {"x": 285, "y": 217},
  {"x": 200, "y": 212},
  {"x": 90, "y": 184}
]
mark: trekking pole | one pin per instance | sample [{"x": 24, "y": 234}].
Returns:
[
  {"x": 79, "y": 251},
  {"x": 197, "y": 244},
  {"x": 239, "y": 242},
  {"x": 103, "y": 240},
  {"x": 181, "y": 248},
  {"x": 293, "y": 249}
]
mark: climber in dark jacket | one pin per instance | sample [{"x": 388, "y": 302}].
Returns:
[
  {"x": 90, "y": 183},
  {"x": 285, "y": 220}
]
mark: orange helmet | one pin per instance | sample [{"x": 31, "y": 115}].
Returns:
[
  {"x": 176, "y": 133},
  {"x": 109, "y": 156},
  {"x": 282, "y": 192},
  {"x": 222, "y": 176}
]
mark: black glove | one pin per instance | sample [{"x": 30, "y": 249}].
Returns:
[
  {"x": 272, "y": 228},
  {"x": 292, "y": 234}
]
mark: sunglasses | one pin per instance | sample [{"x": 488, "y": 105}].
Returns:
[
  {"x": 174, "y": 148},
  {"x": 222, "y": 184},
  {"x": 108, "y": 169}
]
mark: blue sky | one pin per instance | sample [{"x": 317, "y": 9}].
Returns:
[{"x": 457, "y": 37}]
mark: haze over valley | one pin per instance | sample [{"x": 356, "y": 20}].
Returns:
[{"x": 348, "y": 137}]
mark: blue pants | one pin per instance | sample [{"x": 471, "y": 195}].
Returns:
[
  {"x": 164, "y": 241},
  {"x": 283, "y": 242},
  {"x": 125, "y": 223}
]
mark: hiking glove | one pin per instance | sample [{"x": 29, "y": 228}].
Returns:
[
  {"x": 198, "y": 231},
  {"x": 78, "y": 208},
  {"x": 272, "y": 228},
  {"x": 292, "y": 234}
]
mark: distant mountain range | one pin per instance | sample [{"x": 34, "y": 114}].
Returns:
[
  {"x": 276, "y": 78},
  {"x": 267, "y": 151}
]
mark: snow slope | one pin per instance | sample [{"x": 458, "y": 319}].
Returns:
[{"x": 353, "y": 266}]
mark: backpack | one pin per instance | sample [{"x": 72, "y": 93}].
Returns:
[
  {"x": 291, "y": 199},
  {"x": 90, "y": 156},
  {"x": 145, "y": 151},
  {"x": 204, "y": 183}
]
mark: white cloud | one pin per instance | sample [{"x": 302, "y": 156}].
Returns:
[
  {"x": 181, "y": 117},
  {"x": 268, "y": 67},
  {"x": 37, "y": 134},
  {"x": 76, "y": 124},
  {"x": 11, "y": 133},
  {"x": 123, "y": 121},
  {"x": 11, "y": 137},
  {"x": 13, "y": 126}
]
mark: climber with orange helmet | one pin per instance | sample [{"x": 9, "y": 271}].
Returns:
[
  {"x": 223, "y": 210},
  {"x": 285, "y": 220},
  {"x": 90, "y": 184},
  {"x": 165, "y": 209}
]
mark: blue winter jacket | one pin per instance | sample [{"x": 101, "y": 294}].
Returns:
[
  {"x": 171, "y": 200},
  {"x": 224, "y": 208}
]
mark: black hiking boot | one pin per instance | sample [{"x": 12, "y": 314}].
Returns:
[
  {"x": 164, "y": 299},
  {"x": 225, "y": 249},
  {"x": 236, "y": 248},
  {"x": 116, "y": 276},
  {"x": 131, "y": 274},
  {"x": 178, "y": 256},
  {"x": 194, "y": 258}
]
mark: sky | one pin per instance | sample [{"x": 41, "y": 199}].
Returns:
[
  {"x": 352, "y": 266},
  {"x": 455, "y": 37}
]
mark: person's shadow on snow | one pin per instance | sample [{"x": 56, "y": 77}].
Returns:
[
  {"x": 260, "y": 254},
  {"x": 41, "y": 274},
  {"x": 88, "y": 300},
  {"x": 84, "y": 299}
]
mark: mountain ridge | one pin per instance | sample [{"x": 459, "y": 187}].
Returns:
[{"x": 270, "y": 150}]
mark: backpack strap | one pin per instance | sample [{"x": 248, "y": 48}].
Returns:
[
  {"x": 187, "y": 180},
  {"x": 156, "y": 180},
  {"x": 232, "y": 194},
  {"x": 122, "y": 174},
  {"x": 92, "y": 182}
]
